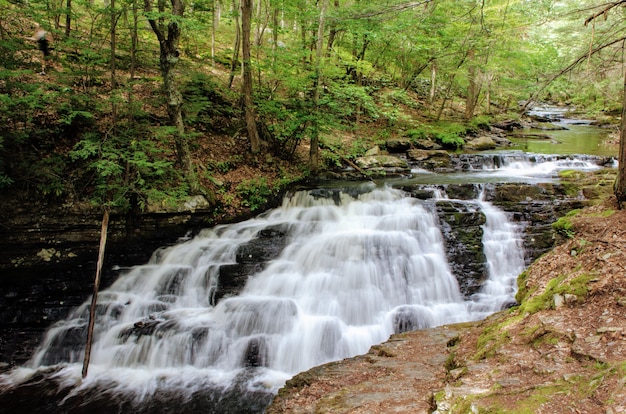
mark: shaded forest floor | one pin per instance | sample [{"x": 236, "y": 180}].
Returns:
[{"x": 562, "y": 350}]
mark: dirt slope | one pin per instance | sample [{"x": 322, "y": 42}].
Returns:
[{"x": 563, "y": 350}]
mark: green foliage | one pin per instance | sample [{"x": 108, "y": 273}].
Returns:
[
  {"x": 255, "y": 193},
  {"x": 125, "y": 171},
  {"x": 448, "y": 134},
  {"x": 206, "y": 105}
]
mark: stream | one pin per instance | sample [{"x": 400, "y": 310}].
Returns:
[{"x": 331, "y": 272}]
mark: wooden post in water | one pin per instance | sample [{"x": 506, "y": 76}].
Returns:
[{"x": 96, "y": 286}]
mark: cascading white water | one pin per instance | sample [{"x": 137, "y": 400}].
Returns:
[
  {"x": 504, "y": 251},
  {"x": 355, "y": 270}
]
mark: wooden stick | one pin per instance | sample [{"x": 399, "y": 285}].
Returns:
[{"x": 96, "y": 286}]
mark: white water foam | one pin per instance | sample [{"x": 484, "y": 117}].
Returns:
[{"x": 353, "y": 269}]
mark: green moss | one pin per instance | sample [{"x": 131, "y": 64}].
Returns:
[
  {"x": 522, "y": 288},
  {"x": 579, "y": 286},
  {"x": 572, "y": 175},
  {"x": 564, "y": 227},
  {"x": 491, "y": 339}
]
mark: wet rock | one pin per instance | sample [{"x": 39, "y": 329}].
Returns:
[
  {"x": 462, "y": 231},
  {"x": 256, "y": 353},
  {"x": 251, "y": 259}
]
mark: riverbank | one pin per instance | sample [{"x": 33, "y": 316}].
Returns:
[{"x": 563, "y": 346}]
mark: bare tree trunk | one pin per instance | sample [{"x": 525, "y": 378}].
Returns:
[
  {"x": 214, "y": 25},
  {"x": 169, "y": 56},
  {"x": 96, "y": 287},
  {"x": 112, "y": 64},
  {"x": 332, "y": 33},
  {"x": 250, "y": 116},
  {"x": 68, "y": 18},
  {"x": 433, "y": 83},
  {"x": 275, "y": 27},
  {"x": 489, "y": 79},
  {"x": 133, "y": 56},
  {"x": 472, "y": 87},
  {"x": 620, "y": 182},
  {"x": 315, "y": 136},
  {"x": 233, "y": 62}
]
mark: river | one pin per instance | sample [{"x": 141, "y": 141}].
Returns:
[{"x": 348, "y": 267}]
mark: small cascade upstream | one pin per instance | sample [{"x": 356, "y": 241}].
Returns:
[{"x": 357, "y": 266}]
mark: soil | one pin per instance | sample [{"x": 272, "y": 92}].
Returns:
[{"x": 563, "y": 349}]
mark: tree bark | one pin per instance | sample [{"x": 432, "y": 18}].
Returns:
[
  {"x": 96, "y": 287},
  {"x": 112, "y": 64},
  {"x": 332, "y": 33},
  {"x": 169, "y": 36},
  {"x": 620, "y": 182},
  {"x": 237, "y": 45},
  {"x": 472, "y": 87},
  {"x": 315, "y": 136},
  {"x": 250, "y": 116},
  {"x": 433, "y": 82},
  {"x": 68, "y": 18}
]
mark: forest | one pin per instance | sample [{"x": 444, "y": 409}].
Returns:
[{"x": 153, "y": 101}]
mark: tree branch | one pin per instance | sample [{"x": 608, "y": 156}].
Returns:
[
  {"x": 391, "y": 9},
  {"x": 604, "y": 11},
  {"x": 572, "y": 66}
]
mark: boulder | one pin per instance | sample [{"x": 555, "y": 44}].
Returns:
[
  {"x": 482, "y": 143},
  {"x": 427, "y": 144},
  {"x": 396, "y": 145},
  {"x": 423, "y": 155},
  {"x": 373, "y": 151},
  {"x": 381, "y": 161}
]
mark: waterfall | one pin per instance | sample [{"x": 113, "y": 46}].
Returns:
[
  {"x": 355, "y": 269},
  {"x": 504, "y": 251}
]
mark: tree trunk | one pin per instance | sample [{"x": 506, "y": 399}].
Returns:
[
  {"x": 620, "y": 182},
  {"x": 68, "y": 18},
  {"x": 332, "y": 33},
  {"x": 275, "y": 28},
  {"x": 213, "y": 29},
  {"x": 472, "y": 87},
  {"x": 233, "y": 62},
  {"x": 96, "y": 287},
  {"x": 433, "y": 83},
  {"x": 253, "y": 133},
  {"x": 112, "y": 64},
  {"x": 168, "y": 58},
  {"x": 315, "y": 136}
]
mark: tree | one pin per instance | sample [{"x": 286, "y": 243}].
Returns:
[
  {"x": 248, "y": 106},
  {"x": 315, "y": 135},
  {"x": 619, "y": 187},
  {"x": 168, "y": 34}
]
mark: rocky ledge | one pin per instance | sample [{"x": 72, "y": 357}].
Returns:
[{"x": 563, "y": 347}]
